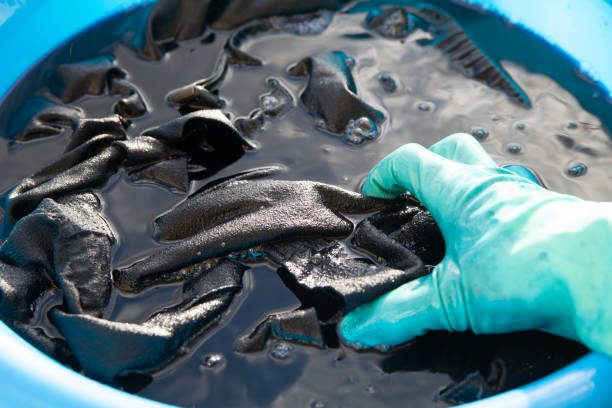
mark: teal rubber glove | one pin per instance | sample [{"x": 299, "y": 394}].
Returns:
[{"x": 518, "y": 256}]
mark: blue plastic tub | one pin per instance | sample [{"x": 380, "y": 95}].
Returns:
[{"x": 29, "y": 29}]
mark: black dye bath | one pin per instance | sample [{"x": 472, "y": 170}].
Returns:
[{"x": 408, "y": 91}]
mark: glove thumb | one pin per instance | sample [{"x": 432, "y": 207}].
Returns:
[{"x": 402, "y": 314}]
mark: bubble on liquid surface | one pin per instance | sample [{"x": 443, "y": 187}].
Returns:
[
  {"x": 269, "y": 102},
  {"x": 514, "y": 148},
  {"x": 388, "y": 83},
  {"x": 350, "y": 62},
  {"x": 370, "y": 390},
  {"x": 425, "y": 106},
  {"x": 316, "y": 259},
  {"x": 281, "y": 350},
  {"x": 577, "y": 169},
  {"x": 212, "y": 360},
  {"x": 480, "y": 133},
  {"x": 359, "y": 130},
  {"x": 317, "y": 404}
]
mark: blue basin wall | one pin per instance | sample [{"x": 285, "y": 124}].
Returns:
[{"x": 30, "y": 29}]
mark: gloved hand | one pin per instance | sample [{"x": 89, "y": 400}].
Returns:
[{"x": 518, "y": 256}]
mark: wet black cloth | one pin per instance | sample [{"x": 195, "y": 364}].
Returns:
[
  {"x": 451, "y": 39},
  {"x": 98, "y": 148},
  {"x": 50, "y": 120},
  {"x": 57, "y": 242},
  {"x": 96, "y": 77},
  {"x": 241, "y": 212},
  {"x": 331, "y": 94},
  {"x": 225, "y": 15},
  {"x": 301, "y": 326},
  {"x": 329, "y": 279},
  {"x": 107, "y": 350}
]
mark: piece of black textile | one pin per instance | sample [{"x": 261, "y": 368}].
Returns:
[
  {"x": 331, "y": 94},
  {"x": 58, "y": 242},
  {"x": 241, "y": 212},
  {"x": 97, "y": 77},
  {"x": 88, "y": 128},
  {"x": 107, "y": 350},
  {"x": 208, "y": 138},
  {"x": 193, "y": 97},
  {"x": 201, "y": 94},
  {"x": 451, "y": 39},
  {"x": 90, "y": 173},
  {"x": 173, "y": 20},
  {"x": 49, "y": 121},
  {"x": 301, "y": 326},
  {"x": 330, "y": 280},
  {"x": 226, "y": 15},
  {"x": 399, "y": 233},
  {"x": 99, "y": 147},
  {"x": 326, "y": 276}
]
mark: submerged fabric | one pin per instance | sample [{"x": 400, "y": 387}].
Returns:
[{"x": 56, "y": 252}]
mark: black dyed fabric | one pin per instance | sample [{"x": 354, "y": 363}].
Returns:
[
  {"x": 108, "y": 350},
  {"x": 449, "y": 37},
  {"x": 331, "y": 92},
  {"x": 51, "y": 119},
  {"x": 237, "y": 214},
  {"x": 56, "y": 272},
  {"x": 329, "y": 279}
]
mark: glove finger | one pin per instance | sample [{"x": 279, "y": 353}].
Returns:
[
  {"x": 463, "y": 148},
  {"x": 396, "y": 317},
  {"x": 428, "y": 176}
]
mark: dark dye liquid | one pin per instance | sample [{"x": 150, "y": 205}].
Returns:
[{"x": 431, "y": 101}]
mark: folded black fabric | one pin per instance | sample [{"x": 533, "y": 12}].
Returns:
[
  {"x": 448, "y": 36},
  {"x": 331, "y": 93},
  {"x": 108, "y": 350},
  {"x": 237, "y": 214}
]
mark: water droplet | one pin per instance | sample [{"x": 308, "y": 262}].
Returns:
[
  {"x": 223, "y": 244},
  {"x": 345, "y": 178},
  {"x": 577, "y": 169},
  {"x": 572, "y": 125},
  {"x": 350, "y": 62},
  {"x": 316, "y": 259},
  {"x": 281, "y": 350},
  {"x": 320, "y": 123},
  {"x": 380, "y": 260},
  {"x": 372, "y": 268},
  {"x": 370, "y": 390},
  {"x": 514, "y": 148},
  {"x": 317, "y": 404},
  {"x": 327, "y": 149},
  {"x": 212, "y": 360},
  {"x": 269, "y": 103},
  {"x": 596, "y": 94},
  {"x": 521, "y": 126},
  {"x": 388, "y": 83},
  {"x": 425, "y": 106},
  {"x": 495, "y": 118},
  {"x": 359, "y": 130},
  {"x": 480, "y": 134}
]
